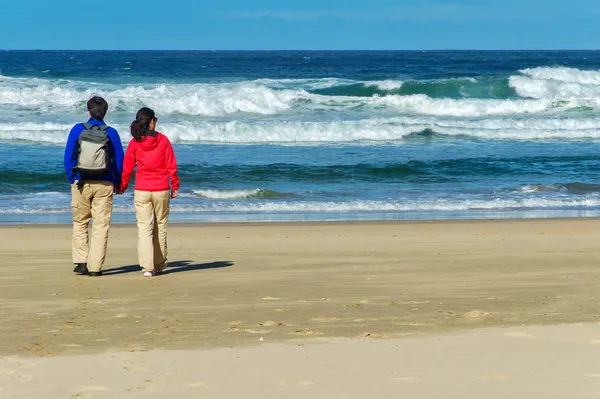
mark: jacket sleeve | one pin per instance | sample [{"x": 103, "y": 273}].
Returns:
[
  {"x": 117, "y": 159},
  {"x": 128, "y": 165},
  {"x": 171, "y": 162},
  {"x": 70, "y": 158}
]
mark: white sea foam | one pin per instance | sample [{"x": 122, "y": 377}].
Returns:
[
  {"x": 228, "y": 194},
  {"x": 575, "y": 93},
  {"x": 190, "y": 99},
  {"x": 386, "y": 84},
  {"x": 384, "y": 129},
  {"x": 246, "y": 97},
  {"x": 300, "y": 132},
  {"x": 565, "y": 75},
  {"x": 52, "y": 133},
  {"x": 266, "y": 207},
  {"x": 398, "y": 206},
  {"x": 424, "y": 105},
  {"x": 304, "y": 84},
  {"x": 577, "y": 87},
  {"x": 291, "y": 132},
  {"x": 549, "y": 92}
]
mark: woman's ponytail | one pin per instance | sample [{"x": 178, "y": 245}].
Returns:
[{"x": 141, "y": 124}]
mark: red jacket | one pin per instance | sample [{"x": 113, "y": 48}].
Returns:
[{"x": 155, "y": 161}]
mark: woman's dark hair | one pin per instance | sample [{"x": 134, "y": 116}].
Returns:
[
  {"x": 97, "y": 107},
  {"x": 141, "y": 124}
]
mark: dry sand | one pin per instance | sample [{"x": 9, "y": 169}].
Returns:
[{"x": 277, "y": 286}]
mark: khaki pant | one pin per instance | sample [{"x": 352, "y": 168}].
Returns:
[
  {"x": 152, "y": 214},
  {"x": 93, "y": 201}
]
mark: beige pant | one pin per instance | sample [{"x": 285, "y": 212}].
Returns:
[
  {"x": 152, "y": 214},
  {"x": 93, "y": 201}
]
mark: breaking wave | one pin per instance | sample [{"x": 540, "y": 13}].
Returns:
[{"x": 396, "y": 129}]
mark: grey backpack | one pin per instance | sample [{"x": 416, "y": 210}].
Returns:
[{"x": 93, "y": 160}]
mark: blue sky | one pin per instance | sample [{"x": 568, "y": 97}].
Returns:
[{"x": 306, "y": 24}]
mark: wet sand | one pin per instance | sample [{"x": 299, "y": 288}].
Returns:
[{"x": 231, "y": 286}]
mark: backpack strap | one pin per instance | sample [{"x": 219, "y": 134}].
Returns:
[{"x": 89, "y": 126}]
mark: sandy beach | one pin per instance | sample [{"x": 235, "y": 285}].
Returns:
[{"x": 467, "y": 309}]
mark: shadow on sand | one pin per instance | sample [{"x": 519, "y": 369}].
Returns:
[{"x": 174, "y": 267}]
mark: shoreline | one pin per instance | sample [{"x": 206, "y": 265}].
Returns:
[
  {"x": 317, "y": 222},
  {"x": 182, "y": 217}
]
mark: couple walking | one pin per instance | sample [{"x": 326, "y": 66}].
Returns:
[{"x": 97, "y": 169}]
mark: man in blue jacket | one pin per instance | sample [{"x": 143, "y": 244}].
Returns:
[{"x": 92, "y": 194}]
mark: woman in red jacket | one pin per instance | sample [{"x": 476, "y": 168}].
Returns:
[{"x": 156, "y": 182}]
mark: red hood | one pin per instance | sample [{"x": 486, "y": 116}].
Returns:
[
  {"x": 150, "y": 143},
  {"x": 154, "y": 158}
]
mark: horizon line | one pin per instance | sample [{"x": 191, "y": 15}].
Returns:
[{"x": 313, "y": 50}]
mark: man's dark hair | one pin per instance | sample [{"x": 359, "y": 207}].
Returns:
[{"x": 97, "y": 106}]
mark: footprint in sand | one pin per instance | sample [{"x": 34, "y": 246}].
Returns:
[
  {"x": 271, "y": 323},
  {"x": 151, "y": 388},
  {"x": 592, "y": 375},
  {"x": 306, "y": 331},
  {"x": 476, "y": 315},
  {"x": 7, "y": 372},
  {"x": 270, "y": 298},
  {"x": 519, "y": 334},
  {"x": 305, "y": 383},
  {"x": 375, "y": 335},
  {"x": 21, "y": 378},
  {"x": 250, "y": 330}
]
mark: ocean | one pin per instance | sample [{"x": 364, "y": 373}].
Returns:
[{"x": 319, "y": 135}]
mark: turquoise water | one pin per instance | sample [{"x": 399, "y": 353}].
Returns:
[{"x": 266, "y": 136}]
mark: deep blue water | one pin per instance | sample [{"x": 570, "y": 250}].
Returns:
[{"x": 293, "y": 135}]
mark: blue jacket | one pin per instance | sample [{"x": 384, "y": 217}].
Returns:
[{"x": 115, "y": 150}]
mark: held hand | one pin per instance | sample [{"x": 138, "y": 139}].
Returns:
[{"x": 174, "y": 193}]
